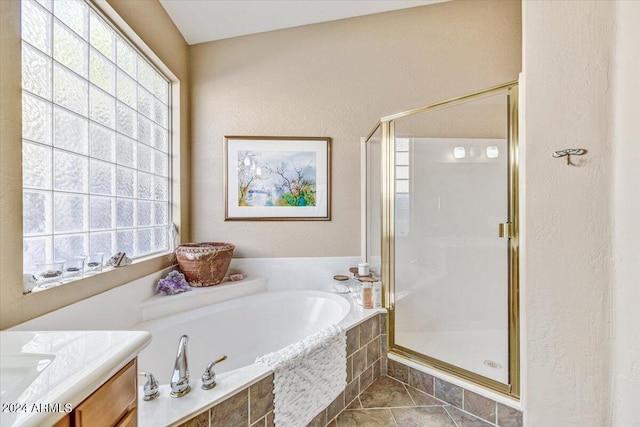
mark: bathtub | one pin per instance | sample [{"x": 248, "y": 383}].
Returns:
[{"x": 241, "y": 329}]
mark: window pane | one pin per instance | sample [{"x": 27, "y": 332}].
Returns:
[
  {"x": 36, "y": 26},
  {"x": 145, "y": 158},
  {"x": 70, "y": 131},
  {"x": 69, "y": 246},
  {"x": 145, "y": 210},
  {"x": 102, "y": 143},
  {"x": 47, "y": 4},
  {"x": 127, "y": 89},
  {"x": 402, "y": 186},
  {"x": 126, "y": 152},
  {"x": 125, "y": 213},
  {"x": 102, "y": 36},
  {"x": 402, "y": 172},
  {"x": 145, "y": 130},
  {"x": 127, "y": 121},
  {"x": 160, "y": 241},
  {"x": 36, "y": 250},
  {"x": 160, "y": 113},
  {"x": 161, "y": 163},
  {"x": 143, "y": 241},
  {"x": 36, "y": 119},
  {"x": 69, "y": 49},
  {"x": 161, "y": 186},
  {"x": 145, "y": 185},
  {"x": 161, "y": 213},
  {"x": 74, "y": 13},
  {"x": 102, "y": 178},
  {"x": 402, "y": 159},
  {"x": 70, "y": 172},
  {"x": 70, "y": 90},
  {"x": 161, "y": 139},
  {"x": 103, "y": 242},
  {"x": 36, "y": 166},
  {"x": 102, "y": 72},
  {"x": 124, "y": 241},
  {"x": 145, "y": 74},
  {"x": 70, "y": 212},
  {"x": 125, "y": 182},
  {"x": 36, "y": 72},
  {"x": 102, "y": 107},
  {"x": 102, "y": 214},
  {"x": 36, "y": 218},
  {"x": 126, "y": 57},
  {"x": 145, "y": 102}
]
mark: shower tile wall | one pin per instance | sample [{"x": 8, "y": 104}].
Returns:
[{"x": 253, "y": 406}]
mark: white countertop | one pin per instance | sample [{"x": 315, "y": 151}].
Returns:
[{"x": 83, "y": 360}]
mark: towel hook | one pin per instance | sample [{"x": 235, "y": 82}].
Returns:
[{"x": 568, "y": 153}]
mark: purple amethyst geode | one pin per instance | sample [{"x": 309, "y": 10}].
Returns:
[{"x": 173, "y": 284}]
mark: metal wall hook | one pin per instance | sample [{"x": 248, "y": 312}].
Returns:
[{"x": 568, "y": 153}]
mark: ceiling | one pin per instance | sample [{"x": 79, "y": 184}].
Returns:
[{"x": 201, "y": 21}]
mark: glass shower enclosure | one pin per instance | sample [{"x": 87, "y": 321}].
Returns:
[{"x": 441, "y": 190}]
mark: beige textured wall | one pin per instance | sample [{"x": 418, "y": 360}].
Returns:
[
  {"x": 567, "y": 54},
  {"x": 334, "y": 79},
  {"x": 149, "y": 20}
]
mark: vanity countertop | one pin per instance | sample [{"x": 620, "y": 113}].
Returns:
[{"x": 47, "y": 374}]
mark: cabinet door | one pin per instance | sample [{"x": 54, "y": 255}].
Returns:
[
  {"x": 131, "y": 420},
  {"x": 65, "y": 422},
  {"x": 111, "y": 402}
]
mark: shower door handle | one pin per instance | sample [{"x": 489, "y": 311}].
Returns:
[{"x": 504, "y": 230}]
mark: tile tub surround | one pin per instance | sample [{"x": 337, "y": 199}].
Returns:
[
  {"x": 462, "y": 403},
  {"x": 253, "y": 406}
]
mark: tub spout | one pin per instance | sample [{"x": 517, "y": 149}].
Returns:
[{"x": 180, "y": 377}]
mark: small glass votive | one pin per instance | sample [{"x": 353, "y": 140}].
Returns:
[
  {"x": 74, "y": 267},
  {"x": 49, "y": 272},
  {"x": 94, "y": 264}
]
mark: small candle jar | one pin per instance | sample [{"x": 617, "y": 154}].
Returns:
[
  {"x": 49, "y": 272},
  {"x": 94, "y": 264},
  {"x": 74, "y": 267},
  {"x": 340, "y": 284}
]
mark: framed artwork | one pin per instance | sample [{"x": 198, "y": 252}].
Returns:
[{"x": 271, "y": 178}]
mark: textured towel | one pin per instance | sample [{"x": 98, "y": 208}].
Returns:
[{"x": 309, "y": 375}]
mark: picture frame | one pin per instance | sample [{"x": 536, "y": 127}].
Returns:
[{"x": 277, "y": 178}]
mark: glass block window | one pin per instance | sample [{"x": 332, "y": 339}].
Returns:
[
  {"x": 95, "y": 132},
  {"x": 403, "y": 188}
]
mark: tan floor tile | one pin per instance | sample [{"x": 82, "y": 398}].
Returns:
[
  {"x": 385, "y": 393},
  {"x": 366, "y": 418},
  {"x": 463, "y": 419},
  {"x": 432, "y": 416},
  {"x": 423, "y": 399}
]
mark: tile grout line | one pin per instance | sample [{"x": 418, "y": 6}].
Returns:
[
  {"x": 407, "y": 391},
  {"x": 393, "y": 417},
  {"x": 451, "y": 418}
]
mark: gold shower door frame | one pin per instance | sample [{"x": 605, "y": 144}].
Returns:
[{"x": 387, "y": 127}]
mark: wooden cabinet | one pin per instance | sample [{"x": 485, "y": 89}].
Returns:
[
  {"x": 65, "y": 422},
  {"x": 113, "y": 404}
]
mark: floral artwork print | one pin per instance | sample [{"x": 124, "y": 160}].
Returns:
[{"x": 276, "y": 178}]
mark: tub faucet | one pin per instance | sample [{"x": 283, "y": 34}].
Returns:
[{"x": 180, "y": 377}]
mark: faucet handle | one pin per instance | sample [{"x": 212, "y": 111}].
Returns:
[
  {"x": 151, "y": 387},
  {"x": 209, "y": 375}
]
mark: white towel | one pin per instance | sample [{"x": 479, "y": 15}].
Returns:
[{"x": 308, "y": 376}]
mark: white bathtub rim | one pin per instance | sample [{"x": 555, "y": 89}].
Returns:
[
  {"x": 196, "y": 313},
  {"x": 171, "y": 411}
]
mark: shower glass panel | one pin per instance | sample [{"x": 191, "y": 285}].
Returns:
[
  {"x": 373, "y": 183},
  {"x": 440, "y": 191},
  {"x": 451, "y": 269}
]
